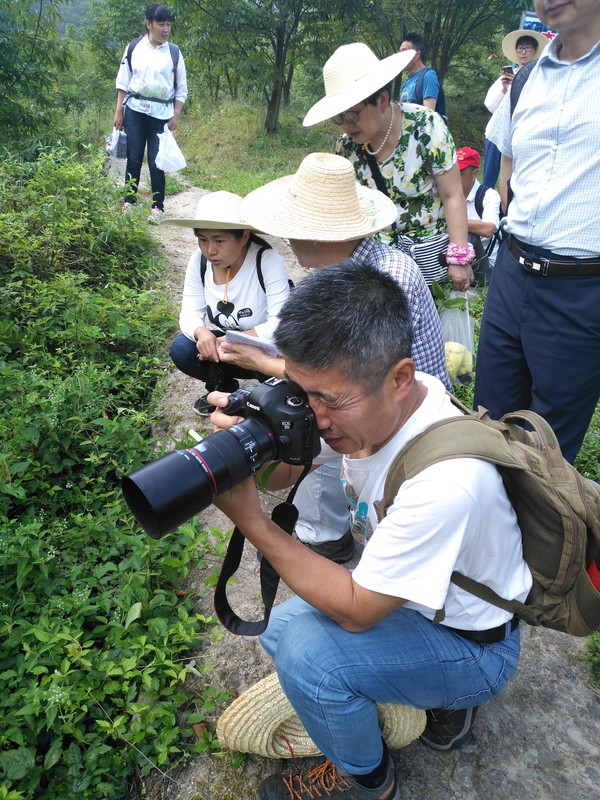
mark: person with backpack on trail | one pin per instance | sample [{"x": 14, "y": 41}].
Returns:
[
  {"x": 520, "y": 47},
  {"x": 151, "y": 91},
  {"x": 422, "y": 85},
  {"x": 234, "y": 281},
  {"x": 349, "y": 640},
  {"x": 404, "y": 150},
  {"x": 483, "y": 212}
]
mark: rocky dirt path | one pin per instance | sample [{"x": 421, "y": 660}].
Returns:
[{"x": 540, "y": 740}]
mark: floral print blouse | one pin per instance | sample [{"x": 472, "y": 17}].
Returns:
[{"x": 425, "y": 148}]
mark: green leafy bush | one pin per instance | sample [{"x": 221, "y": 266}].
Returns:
[{"x": 94, "y": 636}]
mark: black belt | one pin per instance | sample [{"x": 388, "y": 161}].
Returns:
[
  {"x": 551, "y": 266},
  {"x": 492, "y": 635}
]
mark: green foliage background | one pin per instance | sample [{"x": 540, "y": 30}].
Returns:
[{"x": 94, "y": 638}]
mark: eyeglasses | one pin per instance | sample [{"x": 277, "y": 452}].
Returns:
[
  {"x": 524, "y": 48},
  {"x": 350, "y": 116}
]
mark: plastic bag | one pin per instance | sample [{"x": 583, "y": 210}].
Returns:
[
  {"x": 169, "y": 157},
  {"x": 116, "y": 143},
  {"x": 458, "y": 328}
]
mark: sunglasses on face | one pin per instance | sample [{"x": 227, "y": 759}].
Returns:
[{"x": 350, "y": 116}]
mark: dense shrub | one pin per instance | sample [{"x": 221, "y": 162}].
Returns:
[{"x": 94, "y": 637}]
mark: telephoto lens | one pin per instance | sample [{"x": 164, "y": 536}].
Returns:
[{"x": 280, "y": 425}]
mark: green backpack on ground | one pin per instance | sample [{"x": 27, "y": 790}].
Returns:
[{"x": 558, "y": 510}]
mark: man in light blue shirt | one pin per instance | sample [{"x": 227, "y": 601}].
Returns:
[{"x": 539, "y": 346}]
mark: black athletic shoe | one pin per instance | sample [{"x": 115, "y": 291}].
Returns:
[
  {"x": 446, "y": 729},
  {"x": 338, "y": 550},
  {"x": 325, "y": 781}
]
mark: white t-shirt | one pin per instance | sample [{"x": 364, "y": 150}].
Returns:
[
  {"x": 248, "y": 306},
  {"x": 455, "y": 515},
  {"x": 151, "y": 75},
  {"x": 491, "y": 213}
]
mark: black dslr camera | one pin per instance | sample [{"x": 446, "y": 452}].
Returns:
[{"x": 279, "y": 425}]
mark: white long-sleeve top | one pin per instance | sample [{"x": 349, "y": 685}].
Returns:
[
  {"x": 248, "y": 306},
  {"x": 151, "y": 75},
  {"x": 494, "y": 96}
]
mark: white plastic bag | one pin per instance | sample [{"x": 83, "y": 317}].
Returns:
[
  {"x": 458, "y": 328},
  {"x": 116, "y": 143},
  {"x": 169, "y": 157}
]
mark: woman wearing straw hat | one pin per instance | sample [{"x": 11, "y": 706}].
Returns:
[
  {"x": 328, "y": 217},
  {"x": 235, "y": 280},
  {"x": 519, "y": 47},
  {"x": 404, "y": 150}
]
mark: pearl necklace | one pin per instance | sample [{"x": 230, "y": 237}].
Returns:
[{"x": 386, "y": 137}]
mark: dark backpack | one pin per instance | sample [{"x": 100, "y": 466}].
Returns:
[
  {"x": 174, "y": 57},
  {"x": 557, "y": 509},
  {"x": 440, "y": 105},
  {"x": 516, "y": 88},
  {"x": 496, "y": 237}
]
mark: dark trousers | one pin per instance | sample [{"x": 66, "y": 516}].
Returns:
[
  {"x": 491, "y": 163},
  {"x": 215, "y": 375},
  {"x": 142, "y": 133},
  {"x": 539, "y": 348}
]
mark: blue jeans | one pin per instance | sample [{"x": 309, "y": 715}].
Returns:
[
  {"x": 185, "y": 357},
  {"x": 334, "y": 679},
  {"x": 142, "y": 131},
  {"x": 539, "y": 348}
]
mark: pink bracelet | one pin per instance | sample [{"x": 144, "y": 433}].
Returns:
[{"x": 462, "y": 256}]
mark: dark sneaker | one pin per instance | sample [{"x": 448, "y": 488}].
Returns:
[
  {"x": 446, "y": 729},
  {"x": 338, "y": 550},
  {"x": 324, "y": 780},
  {"x": 203, "y": 407}
]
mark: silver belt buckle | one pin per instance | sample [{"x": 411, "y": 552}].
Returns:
[{"x": 538, "y": 265}]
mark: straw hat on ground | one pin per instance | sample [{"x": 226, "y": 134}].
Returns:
[
  {"x": 352, "y": 74},
  {"x": 216, "y": 211},
  {"x": 509, "y": 43},
  {"x": 262, "y": 721},
  {"x": 321, "y": 202}
]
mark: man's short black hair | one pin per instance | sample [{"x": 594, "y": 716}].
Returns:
[
  {"x": 527, "y": 40},
  {"x": 419, "y": 44}
]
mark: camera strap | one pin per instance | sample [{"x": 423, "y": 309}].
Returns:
[{"x": 285, "y": 516}]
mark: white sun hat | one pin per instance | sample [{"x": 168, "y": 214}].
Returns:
[
  {"x": 262, "y": 721},
  {"x": 216, "y": 211},
  {"x": 509, "y": 43},
  {"x": 321, "y": 202},
  {"x": 352, "y": 74}
]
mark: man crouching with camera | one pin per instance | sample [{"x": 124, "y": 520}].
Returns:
[{"x": 350, "y": 640}]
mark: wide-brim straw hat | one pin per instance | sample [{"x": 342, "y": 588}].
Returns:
[
  {"x": 321, "y": 202},
  {"x": 216, "y": 211},
  {"x": 509, "y": 43},
  {"x": 352, "y": 74},
  {"x": 262, "y": 721}
]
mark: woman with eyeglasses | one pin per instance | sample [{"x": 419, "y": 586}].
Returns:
[
  {"x": 406, "y": 151},
  {"x": 520, "y": 48}
]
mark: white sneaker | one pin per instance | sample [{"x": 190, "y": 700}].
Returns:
[{"x": 156, "y": 216}]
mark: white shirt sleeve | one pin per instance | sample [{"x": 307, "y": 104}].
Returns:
[
  {"x": 494, "y": 96},
  {"x": 277, "y": 290},
  {"x": 193, "y": 302}
]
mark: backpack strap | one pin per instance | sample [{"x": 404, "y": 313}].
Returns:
[
  {"x": 479, "y": 195},
  {"x": 518, "y": 83},
  {"x": 419, "y": 85},
  {"x": 259, "y": 273},
  {"x": 380, "y": 184}
]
